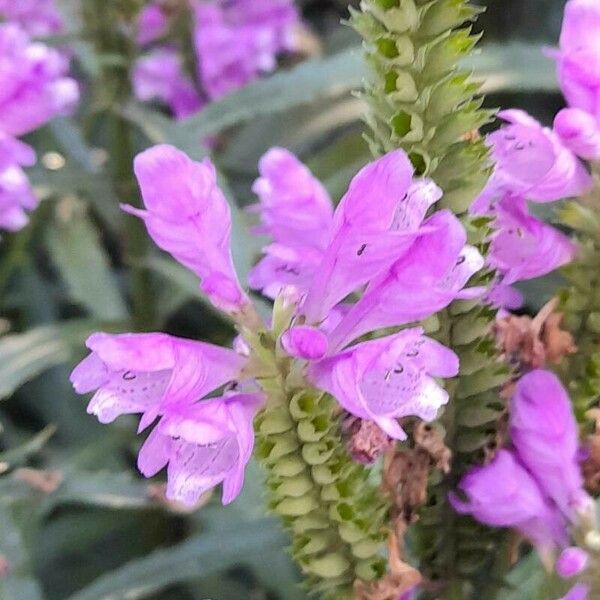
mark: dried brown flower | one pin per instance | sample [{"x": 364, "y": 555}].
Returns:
[
  {"x": 530, "y": 343},
  {"x": 365, "y": 440}
]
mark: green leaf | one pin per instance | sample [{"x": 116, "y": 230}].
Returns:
[
  {"x": 525, "y": 580},
  {"x": 199, "y": 556},
  {"x": 23, "y": 356},
  {"x": 32, "y": 446},
  {"x": 303, "y": 84},
  {"x": 20, "y": 583},
  {"x": 76, "y": 250}
]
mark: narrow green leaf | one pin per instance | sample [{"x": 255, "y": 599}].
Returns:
[
  {"x": 199, "y": 556},
  {"x": 23, "y": 356},
  {"x": 76, "y": 250}
]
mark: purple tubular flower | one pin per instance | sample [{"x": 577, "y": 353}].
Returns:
[
  {"x": 297, "y": 214},
  {"x": 391, "y": 377},
  {"x": 571, "y": 562},
  {"x": 579, "y": 131},
  {"x": 36, "y": 17},
  {"x": 188, "y": 216},
  {"x": 149, "y": 372},
  {"x": 202, "y": 446},
  {"x": 580, "y": 591},
  {"x": 16, "y": 198},
  {"x": 545, "y": 435},
  {"x": 531, "y": 162},
  {"x": 34, "y": 87},
  {"x": 305, "y": 342},
  {"x": 152, "y": 24},
  {"x": 420, "y": 283},
  {"x": 159, "y": 76},
  {"x": 237, "y": 41},
  {"x": 504, "y": 494},
  {"x": 375, "y": 224},
  {"x": 579, "y": 56},
  {"x": 524, "y": 247}
]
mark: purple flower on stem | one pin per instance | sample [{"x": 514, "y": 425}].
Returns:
[
  {"x": 36, "y": 17},
  {"x": 504, "y": 494},
  {"x": 524, "y": 247},
  {"x": 159, "y": 76},
  {"x": 204, "y": 443},
  {"x": 144, "y": 373},
  {"x": 34, "y": 86},
  {"x": 423, "y": 281},
  {"x": 152, "y": 24},
  {"x": 297, "y": 214},
  {"x": 579, "y": 56},
  {"x": 571, "y": 562},
  {"x": 235, "y": 42},
  {"x": 546, "y": 438},
  {"x": 391, "y": 377},
  {"x": 188, "y": 216},
  {"x": 202, "y": 446}
]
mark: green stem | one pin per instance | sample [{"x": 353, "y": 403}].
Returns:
[
  {"x": 334, "y": 515},
  {"x": 105, "y": 21},
  {"x": 421, "y": 101}
]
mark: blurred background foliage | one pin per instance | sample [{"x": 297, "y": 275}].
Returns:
[{"x": 76, "y": 520}]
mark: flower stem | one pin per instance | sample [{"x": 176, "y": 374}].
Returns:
[{"x": 421, "y": 101}]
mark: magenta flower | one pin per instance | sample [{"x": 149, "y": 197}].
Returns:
[
  {"x": 579, "y": 591},
  {"x": 376, "y": 223},
  {"x": 237, "y": 41},
  {"x": 504, "y": 494},
  {"x": 148, "y": 372},
  {"x": 546, "y": 437},
  {"x": 159, "y": 76},
  {"x": 391, "y": 377},
  {"x": 524, "y": 247},
  {"x": 16, "y": 198},
  {"x": 579, "y": 56},
  {"x": 423, "y": 281},
  {"x": 571, "y": 562},
  {"x": 531, "y": 162},
  {"x": 297, "y": 214},
  {"x": 309, "y": 343},
  {"x": 36, "y": 17},
  {"x": 202, "y": 446},
  {"x": 152, "y": 24},
  {"x": 579, "y": 131},
  {"x": 188, "y": 216},
  {"x": 34, "y": 86}
]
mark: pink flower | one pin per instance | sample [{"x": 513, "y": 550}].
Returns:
[
  {"x": 297, "y": 214},
  {"x": 36, "y": 17},
  {"x": 203, "y": 445},
  {"x": 546, "y": 437},
  {"x": 579, "y": 131},
  {"x": 504, "y": 494},
  {"x": 16, "y": 198},
  {"x": 423, "y": 281},
  {"x": 579, "y": 56},
  {"x": 524, "y": 247},
  {"x": 188, "y": 216},
  {"x": 579, "y": 591},
  {"x": 34, "y": 86},
  {"x": 159, "y": 76},
  {"x": 152, "y": 24},
  {"x": 391, "y": 377},
  {"x": 305, "y": 342},
  {"x": 237, "y": 41},
  {"x": 148, "y": 372},
  {"x": 376, "y": 223},
  {"x": 571, "y": 562}
]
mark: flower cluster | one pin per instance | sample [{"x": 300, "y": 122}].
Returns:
[
  {"x": 578, "y": 61},
  {"x": 531, "y": 163},
  {"x": 36, "y": 17},
  {"x": 542, "y": 488},
  {"x": 377, "y": 240},
  {"x": 34, "y": 88},
  {"x": 234, "y": 42}
]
